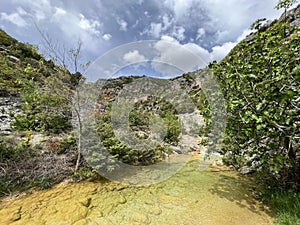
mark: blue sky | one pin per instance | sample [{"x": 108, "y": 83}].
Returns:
[{"x": 209, "y": 28}]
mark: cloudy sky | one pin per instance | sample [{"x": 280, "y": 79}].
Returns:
[{"x": 208, "y": 28}]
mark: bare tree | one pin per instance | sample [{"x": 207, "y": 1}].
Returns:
[{"x": 63, "y": 87}]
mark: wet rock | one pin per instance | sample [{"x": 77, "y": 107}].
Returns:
[
  {"x": 218, "y": 162},
  {"x": 111, "y": 188},
  {"x": 220, "y": 168},
  {"x": 119, "y": 188},
  {"x": 214, "y": 169}
]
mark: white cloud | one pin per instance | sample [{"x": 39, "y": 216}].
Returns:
[
  {"x": 106, "y": 37},
  {"x": 59, "y": 12},
  {"x": 222, "y": 35},
  {"x": 167, "y": 22},
  {"x": 155, "y": 30},
  {"x": 123, "y": 25},
  {"x": 216, "y": 24},
  {"x": 201, "y": 53},
  {"x": 200, "y": 33},
  {"x": 179, "y": 7},
  {"x": 228, "y": 18},
  {"x": 178, "y": 33},
  {"x": 219, "y": 52},
  {"x": 134, "y": 57},
  {"x": 40, "y": 9},
  {"x": 14, "y": 18},
  {"x": 21, "y": 11},
  {"x": 185, "y": 57},
  {"x": 89, "y": 25},
  {"x": 189, "y": 56},
  {"x": 224, "y": 18}
]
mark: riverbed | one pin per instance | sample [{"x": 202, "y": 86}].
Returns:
[{"x": 190, "y": 197}]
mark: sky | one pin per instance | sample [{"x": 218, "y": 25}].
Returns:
[{"x": 208, "y": 28}]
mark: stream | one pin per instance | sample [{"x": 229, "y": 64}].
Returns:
[{"x": 190, "y": 197}]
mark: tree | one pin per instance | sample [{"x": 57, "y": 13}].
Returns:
[
  {"x": 65, "y": 83},
  {"x": 285, "y": 4},
  {"x": 261, "y": 83}
]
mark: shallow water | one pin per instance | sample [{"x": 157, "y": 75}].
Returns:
[{"x": 190, "y": 197}]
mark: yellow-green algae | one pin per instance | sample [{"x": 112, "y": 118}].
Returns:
[{"x": 190, "y": 197}]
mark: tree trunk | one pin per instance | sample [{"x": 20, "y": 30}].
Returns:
[{"x": 77, "y": 110}]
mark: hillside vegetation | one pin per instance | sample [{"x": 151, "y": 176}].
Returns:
[
  {"x": 259, "y": 79},
  {"x": 38, "y": 150}
]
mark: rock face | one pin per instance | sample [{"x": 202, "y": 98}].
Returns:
[
  {"x": 292, "y": 16},
  {"x": 9, "y": 106}
]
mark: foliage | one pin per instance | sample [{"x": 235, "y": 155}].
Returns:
[
  {"x": 286, "y": 205},
  {"x": 121, "y": 151},
  {"x": 139, "y": 121},
  {"x": 83, "y": 173},
  {"x": 141, "y": 115},
  {"x": 285, "y": 4},
  {"x": 6, "y": 40},
  {"x": 11, "y": 150},
  {"x": 38, "y": 110},
  {"x": 26, "y": 142},
  {"x": 199, "y": 99},
  {"x": 31, "y": 64},
  {"x": 260, "y": 80},
  {"x": 8, "y": 152},
  {"x": 67, "y": 144}
]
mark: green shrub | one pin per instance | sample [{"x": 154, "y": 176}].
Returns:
[
  {"x": 8, "y": 152},
  {"x": 13, "y": 151},
  {"x": 67, "y": 144},
  {"x": 43, "y": 111},
  {"x": 261, "y": 84}
]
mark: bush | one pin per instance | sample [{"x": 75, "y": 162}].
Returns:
[
  {"x": 11, "y": 150},
  {"x": 261, "y": 84},
  {"x": 67, "y": 144},
  {"x": 43, "y": 111},
  {"x": 8, "y": 152}
]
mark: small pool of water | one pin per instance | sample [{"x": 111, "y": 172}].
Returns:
[{"x": 190, "y": 197}]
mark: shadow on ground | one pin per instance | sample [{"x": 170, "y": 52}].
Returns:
[{"x": 242, "y": 191}]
